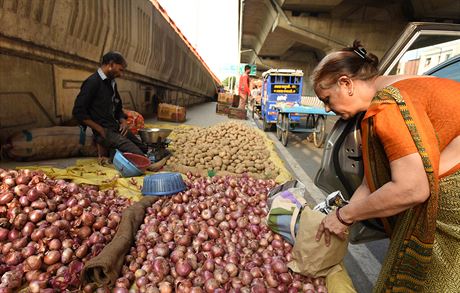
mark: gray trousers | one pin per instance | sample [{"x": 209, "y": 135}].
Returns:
[{"x": 115, "y": 141}]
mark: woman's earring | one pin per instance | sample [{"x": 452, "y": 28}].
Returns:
[{"x": 350, "y": 93}]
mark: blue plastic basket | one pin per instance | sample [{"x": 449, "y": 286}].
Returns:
[
  {"x": 124, "y": 166},
  {"x": 163, "y": 184}
]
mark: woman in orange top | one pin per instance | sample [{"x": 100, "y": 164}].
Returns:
[{"x": 411, "y": 150}]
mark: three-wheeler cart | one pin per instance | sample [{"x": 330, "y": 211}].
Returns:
[
  {"x": 280, "y": 87},
  {"x": 305, "y": 119}
]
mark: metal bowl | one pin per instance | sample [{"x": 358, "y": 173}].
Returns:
[{"x": 153, "y": 135}]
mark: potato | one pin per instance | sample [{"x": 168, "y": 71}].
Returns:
[{"x": 231, "y": 147}]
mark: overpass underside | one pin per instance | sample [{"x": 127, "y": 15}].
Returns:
[
  {"x": 298, "y": 33},
  {"x": 49, "y": 47}
]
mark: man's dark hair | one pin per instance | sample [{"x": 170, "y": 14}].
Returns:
[
  {"x": 114, "y": 57},
  {"x": 246, "y": 67}
]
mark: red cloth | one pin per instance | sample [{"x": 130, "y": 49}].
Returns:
[
  {"x": 243, "y": 87},
  {"x": 135, "y": 120}
]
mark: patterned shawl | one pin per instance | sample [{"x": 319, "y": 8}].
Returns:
[{"x": 412, "y": 234}]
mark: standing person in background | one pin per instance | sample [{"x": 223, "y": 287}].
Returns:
[
  {"x": 411, "y": 156},
  {"x": 99, "y": 106},
  {"x": 243, "y": 87}
]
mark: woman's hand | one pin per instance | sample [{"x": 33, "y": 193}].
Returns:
[{"x": 331, "y": 225}]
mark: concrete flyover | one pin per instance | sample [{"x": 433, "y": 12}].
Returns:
[
  {"x": 298, "y": 33},
  {"x": 48, "y": 47}
]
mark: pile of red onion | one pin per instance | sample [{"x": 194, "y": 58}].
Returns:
[
  {"x": 212, "y": 238},
  {"x": 49, "y": 228}
]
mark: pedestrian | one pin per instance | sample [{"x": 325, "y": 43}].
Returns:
[
  {"x": 99, "y": 106},
  {"x": 411, "y": 154},
  {"x": 243, "y": 87}
]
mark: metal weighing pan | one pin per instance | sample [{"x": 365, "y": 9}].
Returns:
[{"x": 153, "y": 135}]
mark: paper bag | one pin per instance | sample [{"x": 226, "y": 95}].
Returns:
[{"x": 311, "y": 257}]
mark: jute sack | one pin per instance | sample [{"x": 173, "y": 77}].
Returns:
[
  {"x": 311, "y": 257},
  {"x": 50, "y": 143}
]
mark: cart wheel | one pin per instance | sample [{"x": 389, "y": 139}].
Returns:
[
  {"x": 320, "y": 136},
  {"x": 265, "y": 125},
  {"x": 279, "y": 124},
  {"x": 310, "y": 123},
  {"x": 285, "y": 133}
]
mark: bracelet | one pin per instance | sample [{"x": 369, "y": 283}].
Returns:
[{"x": 337, "y": 213}]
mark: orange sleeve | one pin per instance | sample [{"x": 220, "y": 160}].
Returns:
[{"x": 393, "y": 133}]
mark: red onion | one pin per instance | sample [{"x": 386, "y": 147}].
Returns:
[
  {"x": 206, "y": 214},
  {"x": 13, "y": 258},
  {"x": 221, "y": 276},
  {"x": 20, "y": 243},
  {"x": 35, "y": 216},
  {"x": 167, "y": 236},
  {"x": 52, "y": 257},
  {"x": 34, "y": 262},
  {"x": 42, "y": 187},
  {"x": 55, "y": 244},
  {"x": 32, "y": 276},
  {"x": 161, "y": 267},
  {"x": 52, "y": 232},
  {"x": 183, "y": 268},
  {"x": 194, "y": 228},
  {"x": 37, "y": 234},
  {"x": 33, "y": 194},
  {"x": 52, "y": 217},
  {"x": 161, "y": 249},
  {"x": 9, "y": 181},
  {"x": 279, "y": 266},
  {"x": 24, "y": 201},
  {"x": 84, "y": 232},
  {"x": 82, "y": 251},
  {"x": 213, "y": 232},
  {"x": 38, "y": 205},
  {"x": 3, "y": 234},
  {"x": 211, "y": 285},
  {"x": 165, "y": 287},
  {"x": 13, "y": 235},
  {"x": 231, "y": 269},
  {"x": 67, "y": 243}
]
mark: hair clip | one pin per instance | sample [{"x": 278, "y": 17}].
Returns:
[{"x": 361, "y": 52}]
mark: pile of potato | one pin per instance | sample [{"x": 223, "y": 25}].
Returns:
[{"x": 233, "y": 147}]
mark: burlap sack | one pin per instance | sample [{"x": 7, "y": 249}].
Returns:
[
  {"x": 311, "y": 257},
  {"x": 50, "y": 143},
  {"x": 105, "y": 268}
]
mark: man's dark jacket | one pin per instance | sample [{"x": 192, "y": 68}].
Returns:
[{"x": 95, "y": 102}]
